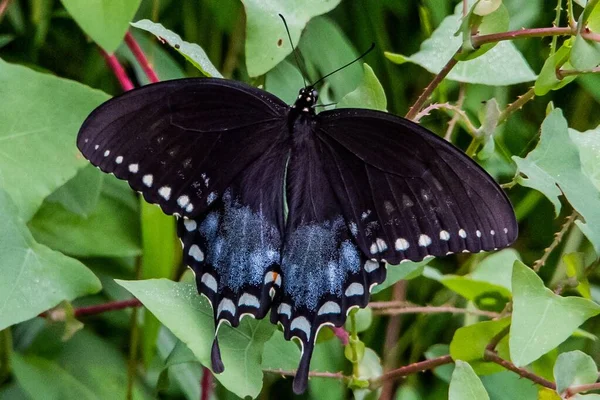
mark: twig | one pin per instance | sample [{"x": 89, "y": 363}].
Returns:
[
  {"x": 558, "y": 236},
  {"x": 561, "y": 73},
  {"x": 206, "y": 384},
  {"x": 416, "y": 107},
  {"x": 315, "y": 374},
  {"x": 445, "y": 106},
  {"x": 435, "y": 310},
  {"x": 573, "y": 390},
  {"x": 341, "y": 334},
  {"x": 101, "y": 308},
  {"x": 493, "y": 357},
  {"x": 392, "y": 332},
  {"x": 555, "y": 24},
  {"x": 491, "y": 346},
  {"x": 459, "y": 103},
  {"x": 479, "y": 40},
  {"x": 3, "y": 7},
  {"x": 514, "y": 106},
  {"x": 410, "y": 369},
  {"x": 141, "y": 57},
  {"x": 117, "y": 69}
]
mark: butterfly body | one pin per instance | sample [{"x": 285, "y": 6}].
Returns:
[{"x": 360, "y": 187}]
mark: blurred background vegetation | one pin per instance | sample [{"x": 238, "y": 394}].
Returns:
[{"x": 108, "y": 235}]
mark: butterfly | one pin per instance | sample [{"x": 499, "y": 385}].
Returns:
[{"x": 284, "y": 210}]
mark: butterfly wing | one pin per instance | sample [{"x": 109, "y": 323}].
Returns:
[
  {"x": 213, "y": 152},
  {"x": 407, "y": 193},
  {"x": 324, "y": 271}
]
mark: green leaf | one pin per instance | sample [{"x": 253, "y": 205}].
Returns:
[
  {"x": 493, "y": 22},
  {"x": 575, "y": 269},
  {"x": 547, "y": 80},
  {"x": 280, "y": 353},
  {"x": 489, "y": 123},
  {"x": 34, "y": 277},
  {"x": 105, "y": 21},
  {"x": 555, "y": 163},
  {"x": 469, "y": 343},
  {"x": 283, "y": 81},
  {"x": 574, "y": 368},
  {"x": 41, "y": 115},
  {"x": 369, "y": 94},
  {"x": 485, "y": 7},
  {"x": 497, "y": 268},
  {"x": 189, "y": 316},
  {"x": 586, "y": 53},
  {"x": 327, "y": 357},
  {"x": 111, "y": 230},
  {"x": 80, "y": 195},
  {"x": 520, "y": 389},
  {"x": 363, "y": 318},
  {"x": 191, "y": 51},
  {"x": 369, "y": 367},
  {"x": 502, "y": 65},
  {"x": 406, "y": 270},
  {"x": 465, "y": 384},
  {"x": 267, "y": 43},
  {"x": 542, "y": 320},
  {"x": 588, "y": 143},
  {"x": 181, "y": 354}
]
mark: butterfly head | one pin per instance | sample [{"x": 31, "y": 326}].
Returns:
[{"x": 307, "y": 99}]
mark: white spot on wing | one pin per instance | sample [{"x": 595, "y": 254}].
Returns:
[
  {"x": 106, "y": 153},
  {"x": 492, "y": 232},
  {"x": 119, "y": 159},
  {"x": 462, "y": 233},
  {"x": 211, "y": 197},
  {"x": 196, "y": 253},
  {"x": 355, "y": 289},
  {"x": 96, "y": 147},
  {"x": 444, "y": 235},
  {"x": 424, "y": 240},
  {"x": 329, "y": 308},
  {"x": 478, "y": 233},
  {"x": 402, "y": 244},
  {"x": 226, "y": 305},
  {"x": 302, "y": 324},
  {"x": 284, "y": 309},
  {"x": 371, "y": 266},
  {"x": 505, "y": 230},
  {"x": 189, "y": 208},
  {"x": 165, "y": 192},
  {"x": 183, "y": 201},
  {"x": 249, "y": 300},
  {"x": 209, "y": 281},
  {"x": 190, "y": 225},
  {"x": 134, "y": 168},
  {"x": 381, "y": 245},
  {"x": 148, "y": 179}
]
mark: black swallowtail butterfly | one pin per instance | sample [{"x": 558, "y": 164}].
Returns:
[{"x": 362, "y": 188}]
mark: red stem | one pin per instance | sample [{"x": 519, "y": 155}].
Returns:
[
  {"x": 118, "y": 70},
  {"x": 112, "y": 306},
  {"x": 411, "y": 369},
  {"x": 206, "y": 384},
  {"x": 495, "y": 358},
  {"x": 341, "y": 334},
  {"x": 479, "y": 40},
  {"x": 3, "y": 7},
  {"x": 141, "y": 57}
]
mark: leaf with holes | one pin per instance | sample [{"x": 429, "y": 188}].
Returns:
[
  {"x": 105, "y": 21},
  {"x": 555, "y": 164},
  {"x": 189, "y": 316},
  {"x": 267, "y": 43},
  {"x": 541, "y": 319},
  {"x": 40, "y": 116},
  {"x": 34, "y": 277}
]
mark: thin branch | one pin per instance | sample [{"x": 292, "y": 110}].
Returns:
[
  {"x": 416, "y": 107},
  {"x": 459, "y": 103},
  {"x": 206, "y": 384},
  {"x": 573, "y": 390},
  {"x": 493, "y": 357},
  {"x": 491, "y": 346},
  {"x": 561, "y": 73},
  {"x": 141, "y": 58},
  {"x": 101, "y": 308},
  {"x": 555, "y": 23},
  {"x": 115, "y": 66},
  {"x": 410, "y": 369},
  {"x": 457, "y": 112},
  {"x": 479, "y": 40},
  {"x": 390, "y": 344},
  {"x": 341, "y": 334},
  {"x": 435, "y": 310},
  {"x": 558, "y": 236},
  {"x": 517, "y": 104},
  {"x": 315, "y": 374}
]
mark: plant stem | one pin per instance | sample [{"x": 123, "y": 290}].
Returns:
[
  {"x": 517, "y": 104},
  {"x": 555, "y": 24},
  {"x": 473, "y": 146},
  {"x": 117, "y": 69},
  {"x": 206, "y": 384},
  {"x": 458, "y": 112},
  {"x": 558, "y": 236},
  {"x": 434, "y": 310},
  {"x": 416, "y": 107},
  {"x": 493, "y": 357},
  {"x": 573, "y": 390},
  {"x": 585, "y": 16},
  {"x": 479, "y": 40},
  {"x": 341, "y": 334},
  {"x": 459, "y": 103},
  {"x": 491, "y": 346},
  {"x": 392, "y": 333},
  {"x": 134, "y": 339},
  {"x": 316, "y": 374},
  {"x": 6, "y": 348},
  {"x": 561, "y": 73},
  {"x": 410, "y": 369},
  {"x": 101, "y": 308},
  {"x": 141, "y": 58}
]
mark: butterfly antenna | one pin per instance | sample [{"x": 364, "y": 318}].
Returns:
[
  {"x": 300, "y": 65},
  {"x": 347, "y": 65}
]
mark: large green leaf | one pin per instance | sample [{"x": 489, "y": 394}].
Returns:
[
  {"x": 267, "y": 43},
  {"x": 189, "y": 316},
  {"x": 502, "y": 65},
  {"x": 574, "y": 368},
  {"x": 80, "y": 195},
  {"x": 465, "y": 384},
  {"x": 34, "y": 277},
  {"x": 541, "y": 319},
  {"x": 191, "y": 51},
  {"x": 284, "y": 81},
  {"x": 407, "y": 270},
  {"x": 105, "y": 21},
  {"x": 588, "y": 143},
  {"x": 555, "y": 163},
  {"x": 369, "y": 94},
  {"x": 40, "y": 116}
]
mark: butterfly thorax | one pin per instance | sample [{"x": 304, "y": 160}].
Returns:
[{"x": 305, "y": 104}]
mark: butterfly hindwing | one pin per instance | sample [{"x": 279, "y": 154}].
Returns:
[
  {"x": 176, "y": 141},
  {"x": 407, "y": 193}
]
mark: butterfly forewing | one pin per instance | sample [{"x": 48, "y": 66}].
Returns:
[{"x": 407, "y": 193}]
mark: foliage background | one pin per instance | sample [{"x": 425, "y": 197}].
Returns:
[{"x": 72, "y": 238}]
